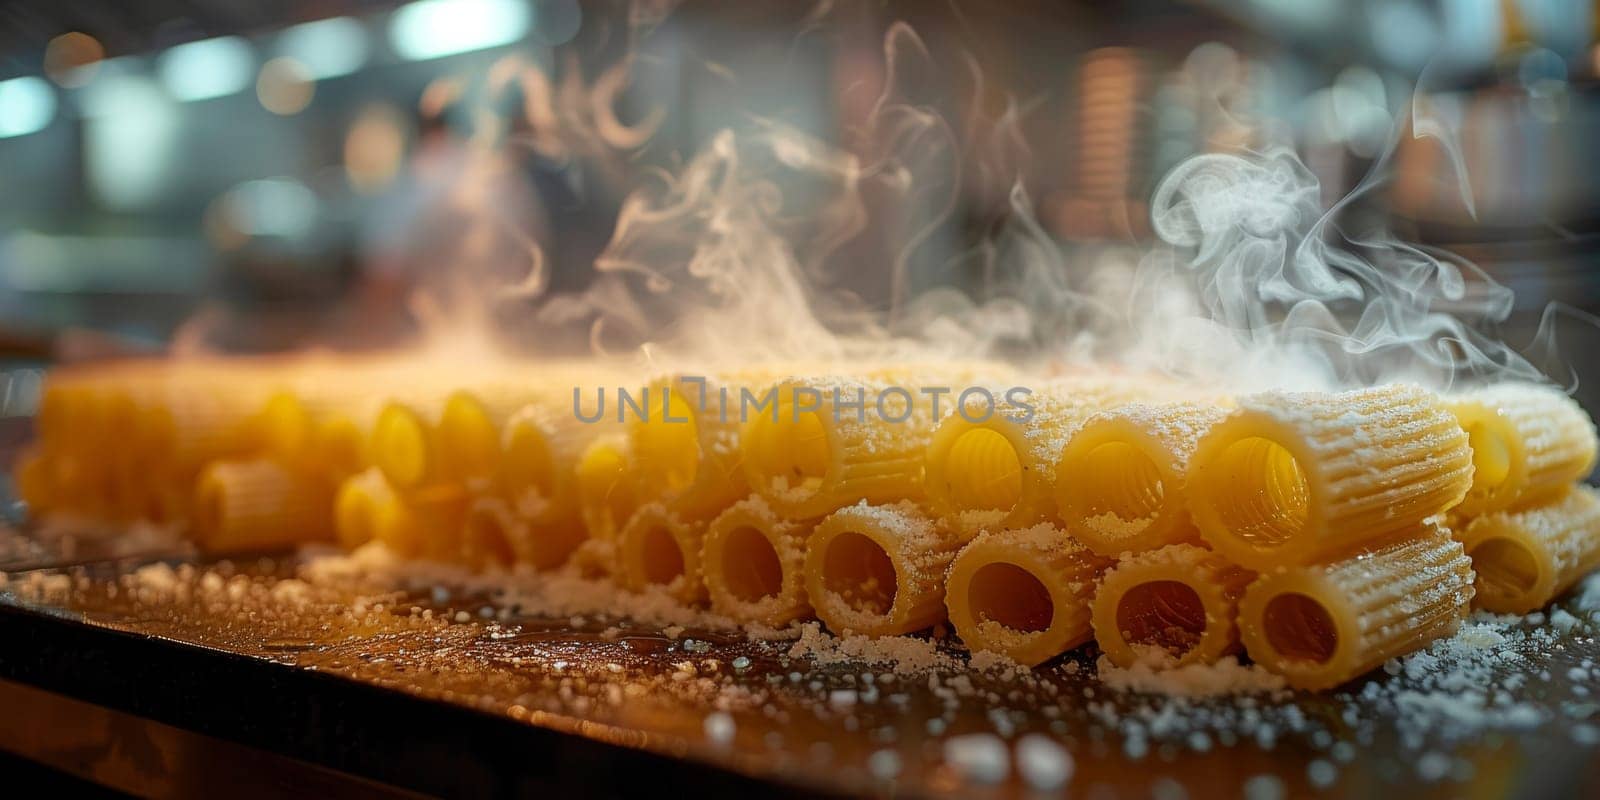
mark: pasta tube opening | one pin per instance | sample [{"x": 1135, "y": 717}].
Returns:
[
  {"x": 1259, "y": 490},
  {"x": 878, "y": 570},
  {"x": 974, "y": 471},
  {"x": 1506, "y": 568},
  {"x": 527, "y": 468},
  {"x": 1300, "y": 629},
  {"x": 1011, "y": 596},
  {"x": 1179, "y": 601},
  {"x": 1529, "y": 442},
  {"x": 859, "y": 573},
  {"x": 661, "y": 550},
  {"x": 754, "y": 564},
  {"x": 285, "y": 425},
  {"x": 750, "y": 565},
  {"x": 355, "y": 509},
  {"x": 1023, "y": 593}
]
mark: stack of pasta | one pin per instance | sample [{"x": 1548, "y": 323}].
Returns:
[{"x": 1318, "y": 533}]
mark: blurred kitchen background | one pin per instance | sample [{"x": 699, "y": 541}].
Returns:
[{"x": 259, "y": 175}]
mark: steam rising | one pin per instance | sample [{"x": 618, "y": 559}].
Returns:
[{"x": 771, "y": 244}]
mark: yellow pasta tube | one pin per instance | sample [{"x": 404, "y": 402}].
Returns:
[
  {"x": 754, "y": 563},
  {"x": 542, "y": 448},
  {"x": 404, "y": 443},
  {"x": 1529, "y": 442},
  {"x": 879, "y": 570},
  {"x": 1525, "y": 559},
  {"x": 660, "y": 550},
  {"x": 828, "y": 443},
  {"x": 1023, "y": 593},
  {"x": 1179, "y": 600},
  {"x": 358, "y": 507},
  {"x": 1119, "y": 485},
  {"x": 426, "y": 524},
  {"x": 496, "y": 533},
  {"x": 606, "y": 499},
  {"x": 257, "y": 504},
  {"x": 200, "y": 416},
  {"x": 684, "y": 441},
  {"x": 1291, "y": 478},
  {"x": 1324, "y": 624}
]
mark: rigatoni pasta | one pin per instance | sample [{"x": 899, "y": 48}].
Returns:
[
  {"x": 658, "y": 549},
  {"x": 1180, "y": 602},
  {"x": 1527, "y": 558},
  {"x": 754, "y": 564},
  {"x": 242, "y": 506},
  {"x": 1023, "y": 593},
  {"x": 1529, "y": 442},
  {"x": 1120, "y": 482},
  {"x": 1320, "y": 625},
  {"x": 1290, "y": 478},
  {"x": 879, "y": 570}
]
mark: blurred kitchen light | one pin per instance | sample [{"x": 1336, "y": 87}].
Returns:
[
  {"x": 1403, "y": 32},
  {"x": 206, "y": 69},
  {"x": 559, "y": 20},
  {"x": 281, "y": 207},
  {"x": 285, "y": 86},
  {"x": 434, "y": 28},
  {"x": 26, "y": 105},
  {"x": 373, "y": 148},
  {"x": 1473, "y": 30},
  {"x": 70, "y": 59},
  {"x": 328, "y": 48},
  {"x": 129, "y": 139},
  {"x": 1539, "y": 65}
]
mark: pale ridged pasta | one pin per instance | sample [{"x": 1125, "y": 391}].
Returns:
[
  {"x": 754, "y": 564},
  {"x": 1324, "y": 624},
  {"x": 358, "y": 506},
  {"x": 806, "y": 463},
  {"x": 1180, "y": 600},
  {"x": 1119, "y": 485},
  {"x": 1529, "y": 442},
  {"x": 606, "y": 499},
  {"x": 242, "y": 506},
  {"x": 660, "y": 550},
  {"x": 879, "y": 570},
  {"x": 1525, "y": 559},
  {"x": 684, "y": 442},
  {"x": 1023, "y": 593},
  {"x": 1291, "y": 478},
  {"x": 542, "y": 447},
  {"x": 496, "y": 533}
]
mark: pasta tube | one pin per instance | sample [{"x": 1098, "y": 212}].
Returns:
[
  {"x": 1525, "y": 559},
  {"x": 1291, "y": 478},
  {"x": 754, "y": 564},
  {"x": 425, "y": 524},
  {"x": 1119, "y": 486},
  {"x": 659, "y": 549},
  {"x": 538, "y": 471},
  {"x": 606, "y": 499},
  {"x": 496, "y": 533},
  {"x": 828, "y": 443},
  {"x": 35, "y": 482},
  {"x": 879, "y": 570},
  {"x": 358, "y": 507},
  {"x": 1023, "y": 593},
  {"x": 1324, "y": 624},
  {"x": 685, "y": 443},
  {"x": 1180, "y": 599},
  {"x": 1529, "y": 442},
  {"x": 256, "y": 505}
]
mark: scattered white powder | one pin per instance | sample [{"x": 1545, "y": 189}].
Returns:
[
  {"x": 979, "y": 757},
  {"x": 1264, "y": 787},
  {"x": 1226, "y": 677},
  {"x": 906, "y": 655},
  {"x": 884, "y": 765},
  {"x": 1041, "y": 762},
  {"x": 719, "y": 727}
]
